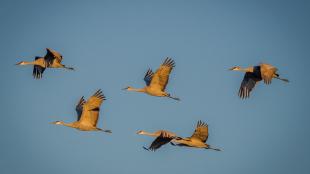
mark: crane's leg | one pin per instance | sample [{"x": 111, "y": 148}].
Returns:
[
  {"x": 174, "y": 98},
  {"x": 209, "y": 147},
  {"x": 285, "y": 80},
  {"x": 277, "y": 76},
  {"x": 68, "y": 68},
  {"x": 103, "y": 130}
]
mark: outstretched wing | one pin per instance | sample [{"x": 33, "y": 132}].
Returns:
[
  {"x": 79, "y": 108},
  {"x": 267, "y": 72},
  {"x": 164, "y": 138},
  {"x": 91, "y": 108},
  {"x": 148, "y": 77},
  {"x": 37, "y": 70},
  {"x": 161, "y": 77},
  {"x": 52, "y": 55},
  {"x": 201, "y": 131},
  {"x": 248, "y": 83}
]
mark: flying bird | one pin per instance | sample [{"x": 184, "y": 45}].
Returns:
[
  {"x": 253, "y": 75},
  {"x": 52, "y": 59},
  {"x": 87, "y": 114},
  {"x": 162, "y": 137},
  {"x": 198, "y": 139},
  {"x": 156, "y": 82}
]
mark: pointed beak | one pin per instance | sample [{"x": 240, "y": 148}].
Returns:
[
  {"x": 124, "y": 88},
  {"x": 53, "y": 122},
  {"x": 230, "y": 69}
]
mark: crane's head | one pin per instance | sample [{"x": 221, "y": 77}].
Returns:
[
  {"x": 235, "y": 68},
  {"x": 21, "y": 63},
  {"x": 128, "y": 88},
  {"x": 140, "y": 132},
  {"x": 58, "y": 122}
]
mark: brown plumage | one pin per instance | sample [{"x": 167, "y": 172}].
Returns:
[
  {"x": 253, "y": 75},
  {"x": 87, "y": 113},
  {"x": 156, "y": 82},
  {"x": 52, "y": 59},
  {"x": 198, "y": 139}
]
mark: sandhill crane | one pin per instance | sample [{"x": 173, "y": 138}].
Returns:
[
  {"x": 52, "y": 59},
  {"x": 253, "y": 75},
  {"x": 156, "y": 82},
  {"x": 87, "y": 114},
  {"x": 198, "y": 139},
  {"x": 162, "y": 137}
]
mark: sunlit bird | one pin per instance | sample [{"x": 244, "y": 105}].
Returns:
[
  {"x": 253, "y": 75},
  {"x": 156, "y": 82},
  {"x": 162, "y": 137},
  {"x": 52, "y": 59},
  {"x": 197, "y": 140},
  {"x": 87, "y": 114}
]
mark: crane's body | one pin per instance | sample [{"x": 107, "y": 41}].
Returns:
[
  {"x": 191, "y": 143},
  {"x": 255, "y": 74},
  {"x": 87, "y": 114},
  {"x": 198, "y": 139},
  {"x": 156, "y": 82},
  {"x": 52, "y": 59}
]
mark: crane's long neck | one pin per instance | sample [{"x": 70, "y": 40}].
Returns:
[
  {"x": 248, "y": 69},
  {"x": 69, "y": 124},
  {"x": 28, "y": 63},
  {"x": 136, "y": 89},
  {"x": 149, "y": 134}
]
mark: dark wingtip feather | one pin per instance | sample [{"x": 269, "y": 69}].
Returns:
[
  {"x": 201, "y": 123},
  {"x": 243, "y": 93},
  {"x": 169, "y": 62},
  {"x": 99, "y": 94}
]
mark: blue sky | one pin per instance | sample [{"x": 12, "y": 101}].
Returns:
[{"x": 111, "y": 44}]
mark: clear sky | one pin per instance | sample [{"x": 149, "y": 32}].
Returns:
[{"x": 111, "y": 44}]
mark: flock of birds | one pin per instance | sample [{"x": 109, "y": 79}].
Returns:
[{"x": 88, "y": 111}]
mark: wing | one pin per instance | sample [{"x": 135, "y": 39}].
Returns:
[
  {"x": 52, "y": 55},
  {"x": 161, "y": 77},
  {"x": 201, "y": 131},
  {"x": 248, "y": 83},
  {"x": 148, "y": 77},
  {"x": 162, "y": 139},
  {"x": 79, "y": 108},
  {"x": 91, "y": 108},
  {"x": 267, "y": 72},
  {"x": 37, "y": 70}
]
